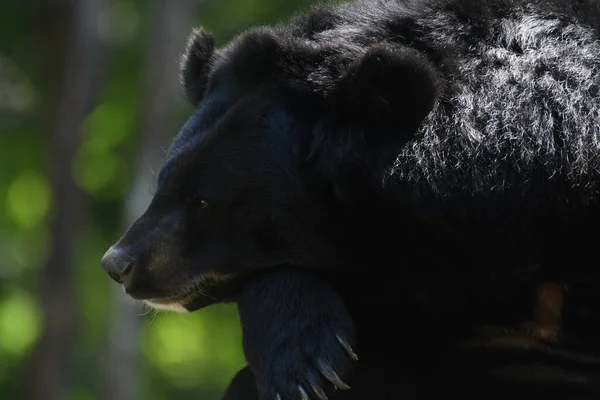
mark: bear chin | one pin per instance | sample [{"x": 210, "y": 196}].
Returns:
[
  {"x": 183, "y": 305},
  {"x": 176, "y": 307}
]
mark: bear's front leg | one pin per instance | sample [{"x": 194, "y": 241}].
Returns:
[{"x": 297, "y": 335}]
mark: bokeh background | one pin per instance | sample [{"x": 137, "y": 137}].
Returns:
[{"x": 89, "y": 101}]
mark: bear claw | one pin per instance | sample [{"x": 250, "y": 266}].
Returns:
[
  {"x": 332, "y": 377},
  {"x": 347, "y": 347},
  {"x": 319, "y": 392},
  {"x": 303, "y": 394}
]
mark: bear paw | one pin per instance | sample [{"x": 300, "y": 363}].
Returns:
[
  {"x": 297, "y": 335},
  {"x": 305, "y": 370}
]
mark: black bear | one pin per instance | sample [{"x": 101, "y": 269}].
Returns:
[{"x": 400, "y": 195}]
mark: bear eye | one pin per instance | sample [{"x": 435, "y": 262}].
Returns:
[{"x": 196, "y": 201}]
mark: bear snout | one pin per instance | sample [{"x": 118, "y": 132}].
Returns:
[
  {"x": 125, "y": 268},
  {"x": 119, "y": 265}
]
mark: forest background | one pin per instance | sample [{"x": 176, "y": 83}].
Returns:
[{"x": 89, "y": 101}]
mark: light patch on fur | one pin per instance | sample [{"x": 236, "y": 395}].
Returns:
[
  {"x": 176, "y": 307},
  {"x": 537, "y": 333},
  {"x": 549, "y": 308}
]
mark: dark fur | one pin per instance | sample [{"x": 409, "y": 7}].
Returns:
[{"x": 402, "y": 174}]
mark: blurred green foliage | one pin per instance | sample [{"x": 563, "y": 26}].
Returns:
[{"x": 182, "y": 356}]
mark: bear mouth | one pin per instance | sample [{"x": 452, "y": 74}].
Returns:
[{"x": 202, "y": 291}]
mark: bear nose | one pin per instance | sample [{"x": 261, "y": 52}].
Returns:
[{"x": 118, "y": 265}]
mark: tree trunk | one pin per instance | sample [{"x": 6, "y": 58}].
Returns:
[
  {"x": 82, "y": 58},
  {"x": 171, "y": 23}
]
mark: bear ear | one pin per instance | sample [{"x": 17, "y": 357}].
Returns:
[
  {"x": 255, "y": 58},
  {"x": 195, "y": 64},
  {"x": 390, "y": 89}
]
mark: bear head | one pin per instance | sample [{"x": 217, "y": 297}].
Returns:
[{"x": 280, "y": 163}]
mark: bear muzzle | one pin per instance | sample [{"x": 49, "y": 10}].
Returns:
[{"x": 118, "y": 265}]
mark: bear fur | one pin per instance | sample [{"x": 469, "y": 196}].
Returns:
[{"x": 400, "y": 195}]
